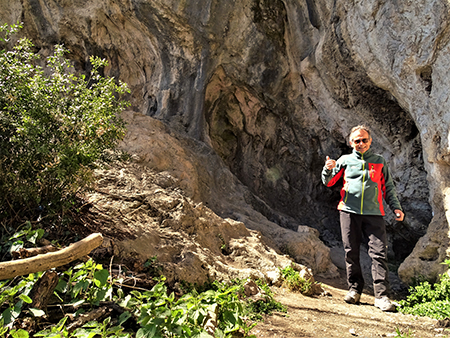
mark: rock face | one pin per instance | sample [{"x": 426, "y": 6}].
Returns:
[
  {"x": 272, "y": 87},
  {"x": 144, "y": 215},
  {"x": 199, "y": 173}
]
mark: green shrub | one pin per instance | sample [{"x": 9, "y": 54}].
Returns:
[
  {"x": 266, "y": 305},
  {"x": 426, "y": 299},
  {"x": 53, "y": 126},
  {"x": 294, "y": 282}
]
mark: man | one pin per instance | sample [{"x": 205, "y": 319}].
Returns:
[{"x": 366, "y": 182}]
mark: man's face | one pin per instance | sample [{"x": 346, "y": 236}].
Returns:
[{"x": 360, "y": 141}]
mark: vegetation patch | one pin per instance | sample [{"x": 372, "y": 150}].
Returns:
[
  {"x": 427, "y": 299},
  {"x": 294, "y": 281},
  {"x": 90, "y": 300}
]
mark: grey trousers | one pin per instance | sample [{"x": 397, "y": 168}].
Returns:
[{"x": 353, "y": 226}]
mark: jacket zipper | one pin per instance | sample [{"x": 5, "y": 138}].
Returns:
[{"x": 363, "y": 183}]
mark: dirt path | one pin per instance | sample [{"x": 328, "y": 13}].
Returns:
[{"x": 330, "y": 316}]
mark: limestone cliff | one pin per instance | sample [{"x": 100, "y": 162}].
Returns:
[{"x": 273, "y": 87}]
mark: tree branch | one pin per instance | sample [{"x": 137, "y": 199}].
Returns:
[{"x": 50, "y": 260}]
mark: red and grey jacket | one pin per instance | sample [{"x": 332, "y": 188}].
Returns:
[{"x": 366, "y": 182}]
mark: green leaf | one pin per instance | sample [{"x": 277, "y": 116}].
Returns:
[
  {"x": 99, "y": 296},
  {"x": 19, "y": 234},
  {"x": 26, "y": 299},
  {"x": 7, "y": 316},
  {"x": 19, "y": 333},
  {"x": 126, "y": 302},
  {"x": 81, "y": 332},
  {"x": 62, "y": 286},
  {"x": 79, "y": 266},
  {"x": 16, "y": 246},
  {"x": 120, "y": 293},
  {"x": 115, "y": 331},
  {"x": 101, "y": 277},
  {"x": 80, "y": 286},
  {"x": 62, "y": 323},
  {"x": 136, "y": 294},
  {"x": 32, "y": 237},
  {"x": 124, "y": 317},
  {"x": 107, "y": 321},
  {"x": 171, "y": 297},
  {"x": 159, "y": 289},
  {"x": 146, "y": 332},
  {"x": 144, "y": 320},
  {"x": 37, "y": 312},
  {"x": 17, "y": 309},
  {"x": 219, "y": 333},
  {"x": 93, "y": 324},
  {"x": 231, "y": 321}
]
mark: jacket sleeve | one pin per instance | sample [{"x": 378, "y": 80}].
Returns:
[
  {"x": 330, "y": 177},
  {"x": 390, "y": 195}
]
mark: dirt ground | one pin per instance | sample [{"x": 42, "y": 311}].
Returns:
[{"x": 329, "y": 316}]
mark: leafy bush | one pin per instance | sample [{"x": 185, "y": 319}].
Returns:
[
  {"x": 161, "y": 315},
  {"x": 23, "y": 237},
  {"x": 53, "y": 126},
  {"x": 426, "y": 299},
  {"x": 12, "y": 298},
  {"x": 86, "y": 282}
]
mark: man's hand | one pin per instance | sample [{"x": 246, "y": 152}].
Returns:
[
  {"x": 330, "y": 164},
  {"x": 399, "y": 214}
]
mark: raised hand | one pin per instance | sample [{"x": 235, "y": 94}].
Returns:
[{"x": 329, "y": 163}]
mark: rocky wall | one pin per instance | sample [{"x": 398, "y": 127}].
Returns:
[{"x": 273, "y": 86}]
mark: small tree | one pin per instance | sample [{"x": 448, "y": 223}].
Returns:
[{"x": 53, "y": 126}]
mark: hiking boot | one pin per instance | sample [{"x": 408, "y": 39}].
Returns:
[
  {"x": 352, "y": 297},
  {"x": 384, "y": 304}
]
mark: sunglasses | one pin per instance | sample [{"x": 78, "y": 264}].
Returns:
[{"x": 364, "y": 140}]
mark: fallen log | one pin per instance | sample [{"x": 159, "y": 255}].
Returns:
[{"x": 50, "y": 260}]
